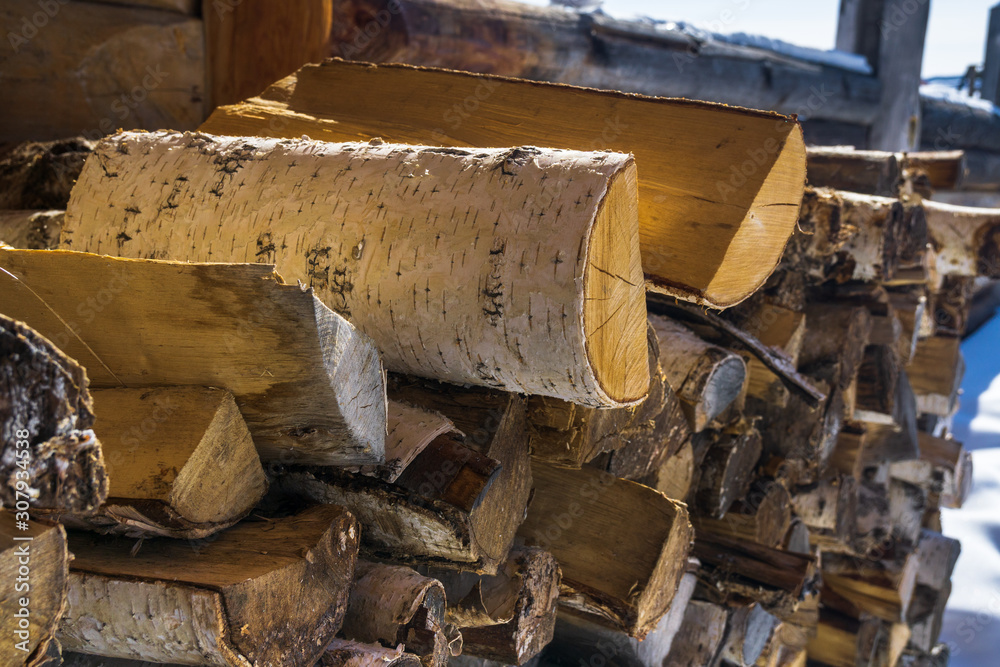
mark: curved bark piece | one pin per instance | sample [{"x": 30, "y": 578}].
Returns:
[
  {"x": 308, "y": 384},
  {"x": 447, "y": 258},
  {"x": 715, "y": 206},
  {"x": 46, "y": 413},
  {"x": 393, "y": 605},
  {"x": 411, "y": 430},
  {"x": 966, "y": 240},
  {"x": 508, "y": 617},
  {"x": 343, "y": 653},
  {"x": 706, "y": 378},
  {"x": 35, "y": 230},
  {"x": 36, "y": 598},
  {"x": 180, "y": 460},
  {"x": 262, "y": 593}
]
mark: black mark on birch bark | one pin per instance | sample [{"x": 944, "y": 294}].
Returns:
[{"x": 494, "y": 290}]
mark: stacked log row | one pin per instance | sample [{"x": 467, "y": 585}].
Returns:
[{"x": 564, "y": 461}]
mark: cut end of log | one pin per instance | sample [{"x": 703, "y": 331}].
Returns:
[{"x": 614, "y": 311}]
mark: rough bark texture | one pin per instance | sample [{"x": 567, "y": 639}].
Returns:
[
  {"x": 40, "y": 175},
  {"x": 750, "y": 216},
  {"x": 35, "y": 230},
  {"x": 34, "y": 564},
  {"x": 264, "y": 593},
  {"x": 180, "y": 461},
  {"x": 486, "y": 294},
  {"x": 50, "y": 457},
  {"x": 343, "y": 653},
  {"x": 308, "y": 384}
]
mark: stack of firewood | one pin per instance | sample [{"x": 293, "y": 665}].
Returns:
[{"x": 568, "y": 457}]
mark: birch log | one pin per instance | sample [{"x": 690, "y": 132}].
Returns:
[
  {"x": 264, "y": 593},
  {"x": 34, "y": 566},
  {"x": 51, "y": 459},
  {"x": 180, "y": 460},
  {"x": 720, "y": 186},
  {"x": 392, "y": 605},
  {"x": 308, "y": 384},
  {"x": 966, "y": 240},
  {"x": 447, "y": 258}
]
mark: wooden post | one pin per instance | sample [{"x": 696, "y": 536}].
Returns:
[
  {"x": 991, "y": 61},
  {"x": 890, "y": 33}
]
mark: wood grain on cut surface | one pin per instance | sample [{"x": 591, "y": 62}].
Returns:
[
  {"x": 719, "y": 186},
  {"x": 515, "y": 269},
  {"x": 308, "y": 384}
]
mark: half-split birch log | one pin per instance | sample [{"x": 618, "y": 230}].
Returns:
[
  {"x": 720, "y": 186},
  {"x": 966, "y": 240},
  {"x": 181, "y": 463},
  {"x": 34, "y": 568},
  {"x": 50, "y": 458},
  {"x": 393, "y": 605},
  {"x": 516, "y": 269},
  {"x": 308, "y": 384},
  {"x": 267, "y": 592}
]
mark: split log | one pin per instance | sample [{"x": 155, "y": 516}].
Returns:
[
  {"x": 675, "y": 476},
  {"x": 910, "y": 308},
  {"x": 180, "y": 463},
  {"x": 411, "y": 431},
  {"x": 703, "y": 629},
  {"x": 734, "y": 569},
  {"x": 705, "y": 377},
  {"x": 844, "y": 168},
  {"x": 308, "y": 384},
  {"x": 51, "y": 458},
  {"x": 40, "y": 175},
  {"x": 579, "y": 638},
  {"x": 966, "y": 240},
  {"x": 392, "y": 605},
  {"x": 849, "y": 236},
  {"x": 856, "y": 586},
  {"x": 800, "y": 433},
  {"x": 849, "y": 456},
  {"x": 342, "y": 653},
  {"x": 842, "y": 641},
  {"x": 778, "y": 328},
  {"x": 508, "y": 617},
  {"x": 594, "y": 49},
  {"x": 829, "y": 508},
  {"x": 877, "y": 383},
  {"x": 935, "y": 373},
  {"x": 34, "y": 565},
  {"x": 835, "y": 340},
  {"x": 34, "y": 230},
  {"x": 951, "y": 304},
  {"x": 552, "y": 314},
  {"x": 458, "y": 507},
  {"x": 726, "y": 471},
  {"x": 955, "y": 462},
  {"x": 90, "y": 68},
  {"x": 763, "y": 516},
  {"x": 907, "y": 507},
  {"x": 264, "y": 592},
  {"x": 749, "y": 629},
  {"x": 942, "y": 170},
  {"x": 680, "y": 182},
  {"x": 635, "y": 440},
  {"x": 575, "y": 514}
]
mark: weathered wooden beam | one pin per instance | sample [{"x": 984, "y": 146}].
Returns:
[
  {"x": 553, "y": 314},
  {"x": 680, "y": 182},
  {"x": 308, "y": 384}
]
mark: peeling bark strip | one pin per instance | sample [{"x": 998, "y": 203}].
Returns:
[
  {"x": 269, "y": 593},
  {"x": 45, "y": 405},
  {"x": 515, "y": 269},
  {"x": 720, "y": 187},
  {"x": 308, "y": 384},
  {"x": 45, "y": 553},
  {"x": 180, "y": 460}
]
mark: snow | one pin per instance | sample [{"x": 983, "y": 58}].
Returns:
[
  {"x": 972, "y": 620},
  {"x": 952, "y": 94}
]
